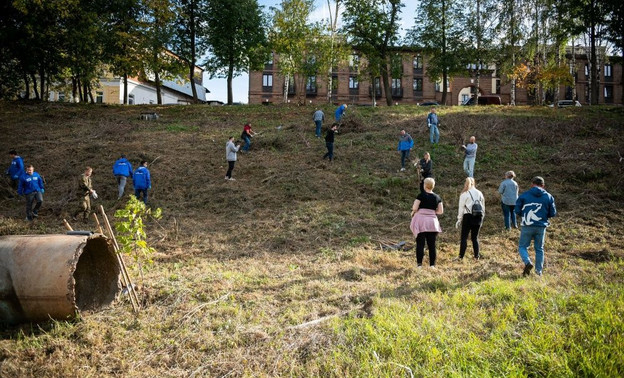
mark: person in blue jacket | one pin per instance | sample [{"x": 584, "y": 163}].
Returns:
[
  {"x": 340, "y": 112},
  {"x": 142, "y": 181},
  {"x": 16, "y": 169},
  {"x": 31, "y": 186},
  {"x": 122, "y": 169},
  {"x": 406, "y": 143},
  {"x": 432, "y": 122},
  {"x": 534, "y": 206}
]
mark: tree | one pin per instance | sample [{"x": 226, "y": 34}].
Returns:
[
  {"x": 289, "y": 36},
  {"x": 159, "y": 31},
  {"x": 372, "y": 28},
  {"x": 190, "y": 37},
  {"x": 438, "y": 33},
  {"x": 615, "y": 29},
  {"x": 510, "y": 26},
  {"x": 236, "y": 36}
]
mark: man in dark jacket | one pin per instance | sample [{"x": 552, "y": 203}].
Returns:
[
  {"x": 122, "y": 169},
  {"x": 31, "y": 186},
  {"x": 142, "y": 181},
  {"x": 535, "y": 207},
  {"x": 329, "y": 141},
  {"x": 426, "y": 169}
]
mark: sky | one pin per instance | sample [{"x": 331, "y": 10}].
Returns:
[{"x": 240, "y": 84}]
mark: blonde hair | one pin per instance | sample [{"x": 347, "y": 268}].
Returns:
[
  {"x": 468, "y": 184},
  {"x": 510, "y": 174},
  {"x": 429, "y": 183}
]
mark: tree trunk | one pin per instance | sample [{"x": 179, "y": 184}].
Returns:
[
  {"x": 74, "y": 90},
  {"x": 79, "y": 86},
  {"x": 42, "y": 82},
  {"x": 158, "y": 88},
  {"x": 125, "y": 89},
  {"x": 286, "y": 84},
  {"x": 595, "y": 90},
  {"x": 386, "y": 81},
  {"x": 27, "y": 86},
  {"x": 90, "y": 91},
  {"x": 193, "y": 47},
  {"x": 444, "y": 89},
  {"x": 85, "y": 91},
  {"x": 34, "y": 81},
  {"x": 230, "y": 76}
]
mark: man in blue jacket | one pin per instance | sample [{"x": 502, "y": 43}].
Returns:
[
  {"x": 31, "y": 186},
  {"x": 16, "y": 169},
  {"x": 432, "y": 122},
  {"x": 405, "y": 145},
  {"x": 534, "y": 206},
  {"x": 340, "y": 112},
  {"x": 142, "y": 181},
  {"x": 122, "y": 169}
]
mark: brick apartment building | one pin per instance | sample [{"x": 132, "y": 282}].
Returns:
[{"x": 414, "y": 87}]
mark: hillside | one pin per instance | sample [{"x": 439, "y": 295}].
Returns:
[{"x": 296, "y": 238}]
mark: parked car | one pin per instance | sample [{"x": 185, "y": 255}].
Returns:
[
  {"x": 567, "y": 103},
  {"x": 484, "y": 100},
  {"x": 429, "y": 103}
]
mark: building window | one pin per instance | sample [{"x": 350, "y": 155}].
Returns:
[
  {"x": 586, "y": 69},
  {"x": 267, "y": 81},
  {"x": 465, "y": 98},
  {"x": 438, "y": 86},
  {"x": 269, "y": 62},
  {"x": 396, "y": 65},
  {"x": 131, "y": 99},
  {"x": 397, "y": 91},
  {"x": 418, "y": 84},
  {"x": 418, "y": 63},
  {"x": 608, "y": 93},
  {"x": 61, "y": 97},
  {"x": 497, "y": 86},
  {"x": 353, "y": 83},
  {"x": 311, "y": 85},
  {"x": 608, "y": 71},
  {"x": 99, "y": 97},
  {"x": 292, "y": 90}
]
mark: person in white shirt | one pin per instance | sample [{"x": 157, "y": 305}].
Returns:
[{"x": 470, "y": 223}]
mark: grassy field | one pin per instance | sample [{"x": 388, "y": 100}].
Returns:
[{"x": 244, "y": 268}]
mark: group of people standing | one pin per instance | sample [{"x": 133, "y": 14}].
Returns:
[{"x": 31, "y": 185}]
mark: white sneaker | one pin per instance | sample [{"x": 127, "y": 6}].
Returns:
[
  {"x": 402, "y": 169},
  {"x": 432, "y": 267},
  {"x": 232, "y": 179},
  {"x": 226, "y": 178}
]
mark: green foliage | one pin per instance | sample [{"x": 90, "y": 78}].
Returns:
[{"x": 131, "y": 234}]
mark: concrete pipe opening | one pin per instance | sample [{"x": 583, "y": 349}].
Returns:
[{"x": 55, "y": 276}]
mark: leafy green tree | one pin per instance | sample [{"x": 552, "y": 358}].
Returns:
[
  {"x": 511, "y": 26},
  {"x": 190, "y": 39},
  {"x": 372, "y": 29},
  {"x": 438, "y": 32},
  {"x": 289, "y": 36},
  {"x": 236, "y": 36},
  {"x": 131, "y": 234},
  {"x": 158, "y": 63},
  {"x": 614, "y": 30}
]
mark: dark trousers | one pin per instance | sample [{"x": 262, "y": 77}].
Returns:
[
  {"x": 470, "y": 225},
  {"x": 230, "y": 168},
  {"x": 137, "y": 194},
  {"x": 430, "y": 238},
  {"x": 330, "y": 151},
  {"x": 404, "y": 157},
  {"x": 30, "y": 198}
]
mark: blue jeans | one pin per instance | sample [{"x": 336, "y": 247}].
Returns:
[
  {"x": 247, "y": 140},
  {"x": 330, "y": 151},
  {"x": 121, "y": 185},
  {"x": 434, "y": 134},
  {"x": 137, "y": 194},
  {"x": 537, "y": 234},
  {"x": 404, "y": 157},
  {"x": 469, "y": 163},
  {"x": 319, "y": 125},
  {"x": 509, "y": 216}
]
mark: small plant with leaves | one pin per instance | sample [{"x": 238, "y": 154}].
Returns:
[{"x": 131, "y": 236}]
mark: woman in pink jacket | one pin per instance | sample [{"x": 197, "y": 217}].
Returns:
[{"x": 425, "y": 224}]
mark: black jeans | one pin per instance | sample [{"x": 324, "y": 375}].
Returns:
[
  {"x": 330, "y": 151},
  {"x": 30, "y": 198},
  {"x": 230, "y": 168},
  {"x": 470, "y": 225},
  {"x": 430, "y": 238}
]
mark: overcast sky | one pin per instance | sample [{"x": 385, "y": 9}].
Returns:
[{"x": 240, "y": 84}]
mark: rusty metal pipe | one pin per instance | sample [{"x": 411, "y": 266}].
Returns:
[{"x": 55, "y": 276}]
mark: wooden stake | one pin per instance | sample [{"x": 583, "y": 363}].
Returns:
[
  {"x": 67, "y": 226},
  {"x": 134, "y": 299},
  {"x": 97, "y": 222}
]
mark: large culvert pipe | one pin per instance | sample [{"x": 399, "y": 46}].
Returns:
[{"x": 55, "y": 276}]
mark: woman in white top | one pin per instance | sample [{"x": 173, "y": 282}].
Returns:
[{"x": 470, "y": 223}]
